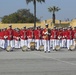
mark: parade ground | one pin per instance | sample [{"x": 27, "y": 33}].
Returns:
[{"x": 38, "y": 63}]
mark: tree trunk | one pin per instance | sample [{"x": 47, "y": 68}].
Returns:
[
  {"x": 34, "y": 13},
  {"x": 54, "y": 18}
]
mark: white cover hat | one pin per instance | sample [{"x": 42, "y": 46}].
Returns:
[
  {"x": 10, "y": 25},
  {"x": 46, "y": 24}
]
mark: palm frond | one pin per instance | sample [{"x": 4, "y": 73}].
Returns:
[
  {"x": 28, "y": 1},
  {"x": 53, "y": 9},
  {"x": 40, "y": 1}
]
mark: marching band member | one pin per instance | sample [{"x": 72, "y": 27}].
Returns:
[
  {"x": 69, "y": 37},
  {"x": 2, "y": 39},
  {"x": 10, "y": 36},
  {"x": 23, "y": 34},
  {"x": 54, "y": 37},
  {"x": 32, "y": 28},
  {"x": 37, "y": 36},
  {"x": 64, "y": 38},
  {"x": 40, "y": 30},
  {"x": 17, "y": 38},
  {"x": 14, "y": 37},
  {"x": 74, "y": 36},
  {"x": 51, "y": 41},
  {"x": 5, "y": 37},
  {"x": 46, "y": 39},
  {"x": 42, "y": 36},
  {"x": 60, "y": 35},
  {"x": 29, "y": 36}
]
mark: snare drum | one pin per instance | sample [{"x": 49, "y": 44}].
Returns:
[
  {"x": 8, "y": 49},
  {"x": 57, "y": 47},
  {"x": 41, "y": 48},
  {"x": 24, "y": 48},
  {"x": 32, "y": 45},
  {"x": 72, "y": 47}
]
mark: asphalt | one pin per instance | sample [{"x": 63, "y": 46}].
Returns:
[{"x": 61, "y": 62}]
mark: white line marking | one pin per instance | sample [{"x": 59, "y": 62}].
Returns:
[{"x": 55, "y": 59}]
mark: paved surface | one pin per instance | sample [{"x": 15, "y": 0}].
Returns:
[{"x": 38, "y": 63}]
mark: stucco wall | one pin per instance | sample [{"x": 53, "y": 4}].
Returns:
[
  {"x": 42, "y": 24},
  {"x": 18, "y": 25},
  {"x": 73, "y": 23}
]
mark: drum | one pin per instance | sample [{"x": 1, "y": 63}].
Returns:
[
  {"x": 41, "y": 48},
  {"x": 57, "y": 48},
  {"x": 24, "y": 48},
  {"x": 72, "y": 47},
  {"x": 75, "y": 41},
  {"x": 32, "y": 45},
  {"x": 8, "y": 49}
]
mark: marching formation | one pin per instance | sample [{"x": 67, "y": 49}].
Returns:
[{"x": 48, "y": 38}]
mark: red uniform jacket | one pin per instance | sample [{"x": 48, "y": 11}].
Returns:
[
  {"x": 64, "y": 34},
  {"x": 5, "y": 34},
  {"x": 69, "y": 34},
  {"x": 10, "y": 34},
  {"x": 60, "y": 34},
  {"x": 2, "y": 35},
  {"x": 30, "y": 34},
  {"x": 74, "y": 34},
  {"x": 45, "y": 35},
  {"x": 23, "y": 34},
  {"x": 54, "y": 34},
  {"x": 37, "y": 34},
  {"x": 17, "y": 36},
  {"x": 42, "y": 34}
]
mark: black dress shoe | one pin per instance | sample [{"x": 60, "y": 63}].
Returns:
[
  {"x": 69, "y": 49},
  {"x": 48, "y": 51},
  {"x": 45, "y": 51},
  {"x": 53, "y": 49},
  {"x": 4, "y": 48}
]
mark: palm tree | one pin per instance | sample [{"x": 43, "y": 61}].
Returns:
[
  {"x": 53, "y": 9},
  {"x": 34, "y": 2}
]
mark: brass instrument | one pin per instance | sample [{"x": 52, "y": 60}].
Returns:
[{"x": 24, "y": 48}]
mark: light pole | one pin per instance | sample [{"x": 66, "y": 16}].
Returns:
[{"x": 34, "y": 14}]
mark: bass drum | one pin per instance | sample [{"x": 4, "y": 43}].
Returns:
[
  {"x": 8, "y": 49},
  {"x": 41, "y": 48},
  {"x": 57, "y": 48},
  {"x": 72, "y": 47},
  {"x": 32, "y": 45},
  {"x": 24, "y": 48}
]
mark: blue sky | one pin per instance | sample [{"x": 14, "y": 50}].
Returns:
[{"x": 68, "y": 8}]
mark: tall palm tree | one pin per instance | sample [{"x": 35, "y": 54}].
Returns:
[
  {"x": 53, "y": 10},
  {"x": 34, "y": 2}
]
